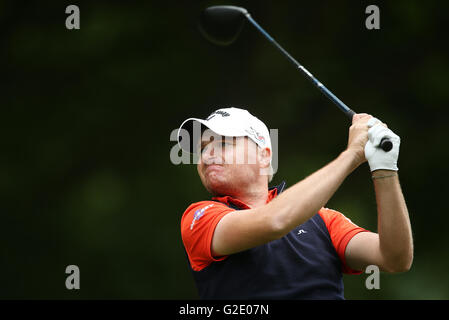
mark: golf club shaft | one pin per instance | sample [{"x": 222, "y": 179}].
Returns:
[{"x": 385, "y": 143}]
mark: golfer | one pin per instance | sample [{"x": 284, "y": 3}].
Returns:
[{"x": 250, "y": 241}]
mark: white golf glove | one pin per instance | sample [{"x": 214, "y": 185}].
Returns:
[{"x": 376, "y": 157}]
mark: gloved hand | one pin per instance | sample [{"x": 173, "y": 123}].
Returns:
[{"x": 376, "y": 157}]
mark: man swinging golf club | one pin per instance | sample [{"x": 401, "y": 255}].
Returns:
[{"x": 254, "y": 242}]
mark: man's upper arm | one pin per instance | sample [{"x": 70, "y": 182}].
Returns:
[
  {"x": 357, "y": 247},
  {"x": 364, "y": 250},
  {"x": 342, "y": 230},
  {"x": 242, "y": 230}
]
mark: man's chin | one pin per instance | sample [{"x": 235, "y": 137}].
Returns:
[{"x": 217, "y": 187}]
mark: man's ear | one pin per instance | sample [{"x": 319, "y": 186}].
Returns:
[{"x": 265, "y": 157}]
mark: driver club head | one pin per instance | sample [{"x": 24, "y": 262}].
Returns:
[{"x": 221, "y": 25}]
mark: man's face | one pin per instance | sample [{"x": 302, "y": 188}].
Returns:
[{"x": 228, "y": 164}]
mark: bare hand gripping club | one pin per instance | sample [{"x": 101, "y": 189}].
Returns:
[{"x": 222, "y": 24}]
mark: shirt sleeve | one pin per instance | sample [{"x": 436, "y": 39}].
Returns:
[
  {"x": 197, "y": 228},
  {"x": 341, "y": 230}
]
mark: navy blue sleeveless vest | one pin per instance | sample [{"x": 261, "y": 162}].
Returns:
[{"x": 301, "y": 265}]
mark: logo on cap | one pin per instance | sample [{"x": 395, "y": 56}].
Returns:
[
  {"x": 252, "y": 132},
  {"x": 222, "y": 113}
]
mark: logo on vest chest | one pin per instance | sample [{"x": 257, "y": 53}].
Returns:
[{"x": 301, "y": 231}]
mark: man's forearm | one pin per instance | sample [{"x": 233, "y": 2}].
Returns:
[
  {"x": 395, "y": 235},
  {"x": 301, "y": 201}
]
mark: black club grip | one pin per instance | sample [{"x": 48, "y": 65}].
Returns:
[{"x": 385, "y": 144}]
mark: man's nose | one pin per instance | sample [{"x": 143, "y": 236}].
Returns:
[{"x": 212, "y": 155}]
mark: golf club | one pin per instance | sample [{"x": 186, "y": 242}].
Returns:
[{"x": 222, "y": 24}]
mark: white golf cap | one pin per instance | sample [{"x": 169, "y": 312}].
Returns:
[{"x": 228, "y": 122}]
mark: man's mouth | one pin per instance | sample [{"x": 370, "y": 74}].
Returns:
[{"x": 213, "y": 167}]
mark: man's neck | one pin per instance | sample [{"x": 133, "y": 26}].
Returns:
[{"x": 255, "y": 197}]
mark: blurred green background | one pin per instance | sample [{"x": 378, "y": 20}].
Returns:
[{"x": 86, "y": 117}]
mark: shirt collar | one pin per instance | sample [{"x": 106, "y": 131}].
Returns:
[{"x": 272, "y": 193}]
